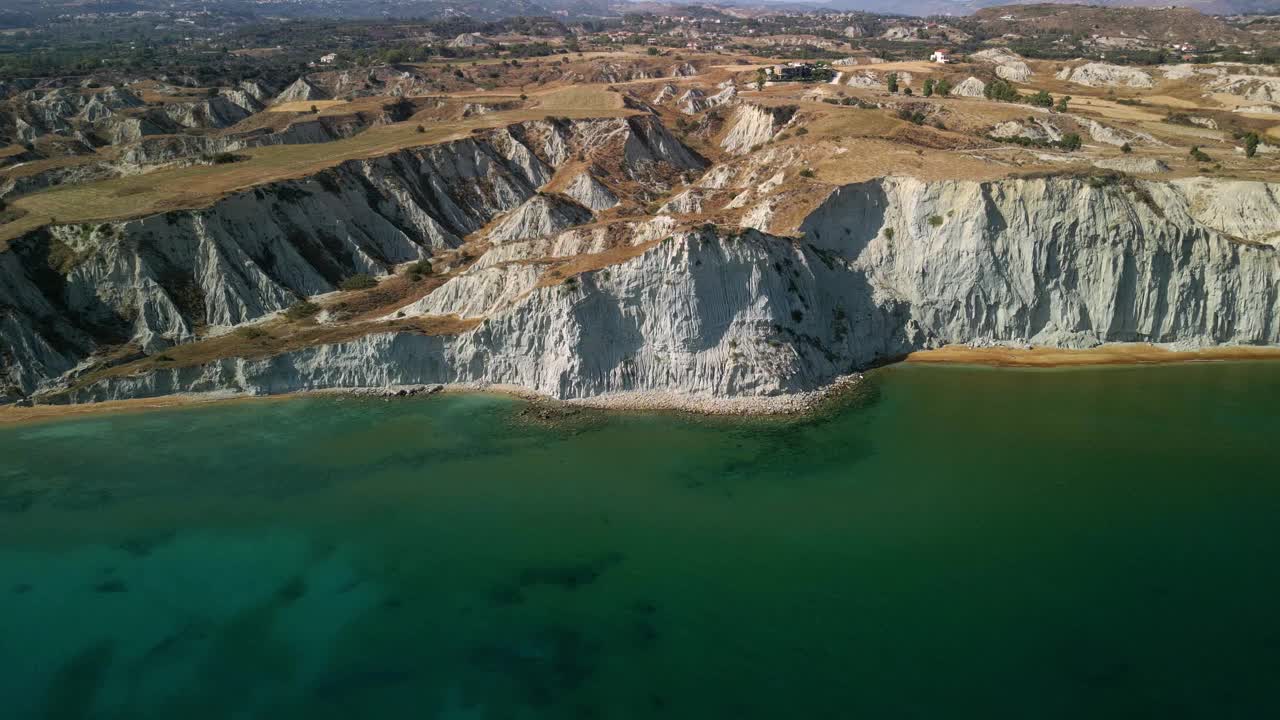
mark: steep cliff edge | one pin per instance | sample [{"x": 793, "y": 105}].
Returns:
[
  {"x": 68, "y": 291},
  {"x": 883, "y": 268}
]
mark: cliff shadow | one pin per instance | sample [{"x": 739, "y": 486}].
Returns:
[{"x": 848, "y": 220}]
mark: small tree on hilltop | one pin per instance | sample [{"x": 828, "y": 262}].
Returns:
[
  {"x": 1062, "y": 103},
  {"x": 928, "y": 87},
  {"x": 1251, "y": 142},
  {"x": 892, "y": 82},
  {"x": 942, "y": 87},
  {"x": 1001, "y": 91}
]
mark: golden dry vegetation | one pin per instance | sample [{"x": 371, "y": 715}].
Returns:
[{"x": 200, "y": 185}]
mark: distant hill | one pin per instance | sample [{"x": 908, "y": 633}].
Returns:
[
  {"x": 965, "y": 7},
  {"x": 1181, "y": 24},
  {"x": 17, "y": 13}
]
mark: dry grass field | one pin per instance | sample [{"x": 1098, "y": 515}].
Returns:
[
  {"x": 200, "y": 185},
  {"x": 301, "y": 106},
  {"x": 840, "y": 144}
]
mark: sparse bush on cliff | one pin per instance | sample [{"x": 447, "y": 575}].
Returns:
[
  {"x": 301, "y": 310},
  {"x": 360, "y": 281}
]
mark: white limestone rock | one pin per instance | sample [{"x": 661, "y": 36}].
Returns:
[
  {"x": 1096, "y": 74},
  {"x": 970, "y": 87},
  {"x": 706, "y": 315},
  {"x": 541, "y": 215},
  {"x": 590, "y": 193},
  {"x": 1008, "y": 64},
  {"x": 753, "y": 125}
]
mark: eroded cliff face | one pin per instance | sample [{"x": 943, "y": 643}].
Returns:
[
  {"x": 883, "y": 268},
  {"x": 66, "y": 291}
]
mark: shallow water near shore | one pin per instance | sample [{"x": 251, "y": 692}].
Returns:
[{"x": 948, "y": 542}]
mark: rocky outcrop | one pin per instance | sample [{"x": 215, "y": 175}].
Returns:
[
  {"x": 541, "y": 215},
  {"x": 1114, "y": 136},
  {"x": 1264, "y": 89},
  {"x": 590, "y": 193},
  {"x": 156, "y": 150},
  {"x": 467, "y": 40},
  {"x": 1239, "y": 208},
  {"x": 214, "y": 112},
  {"x": 1007, "y": 64},
  {"x": 755, "y": 125},
  {"x": 883, "y": 268},
  {"x": 256, "y": 90},
  {"x": 66, "y": 110},
  {"x": 970, "y": 87},
  {"x": 689, "y": 202},
  {"x": 243, "y": 99},
  {"x": 1036, "y": 130},
  {"x": 693, "y": 101},
  {"x": 1104, "y": 75},
  {"x": 863, "y": 79},
  {"x": 124, "y": 130},
  {"x": 300, "y": 90},
  {"x": 1137, "y": 166}
]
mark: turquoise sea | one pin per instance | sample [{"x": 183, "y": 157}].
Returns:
[{"x": 944, "y": 543}]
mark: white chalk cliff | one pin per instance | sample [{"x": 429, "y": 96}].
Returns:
[{"x": 879, "y": 269}]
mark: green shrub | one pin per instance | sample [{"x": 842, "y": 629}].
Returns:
[
  {"x": 1251, "y": 142},
  {"x": 1041, "y": 99},
  {"x": 1126, "y": 148},
  {"x": 888, "y": 232},
  {"x": 419, "y": 268},
  {"x": 917, "y": 118},
  {"x": 1199, "y": 155},
  {"x": 935, "y": 220},
  {"x": 1002, "y": 91},
  {"x": 806, "y": 173},
  {"x": 300, "y": 310},
  {"x": 254, "y": 333},
  {"x": 360, "y": 281}
]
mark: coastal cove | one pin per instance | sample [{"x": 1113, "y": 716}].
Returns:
[{"x": 958, "y": 540}]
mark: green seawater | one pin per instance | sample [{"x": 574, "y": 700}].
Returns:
[{"x": 948, "y": 543}]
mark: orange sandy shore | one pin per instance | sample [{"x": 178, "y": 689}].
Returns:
[
  {"x": 10, "y": 415},
  {"x": 1118, "y": 354}
]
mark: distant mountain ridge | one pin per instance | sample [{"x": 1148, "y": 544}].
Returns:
[
  {"x": 571, "y": 9},
  {"x": 967, "y": 7}
]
